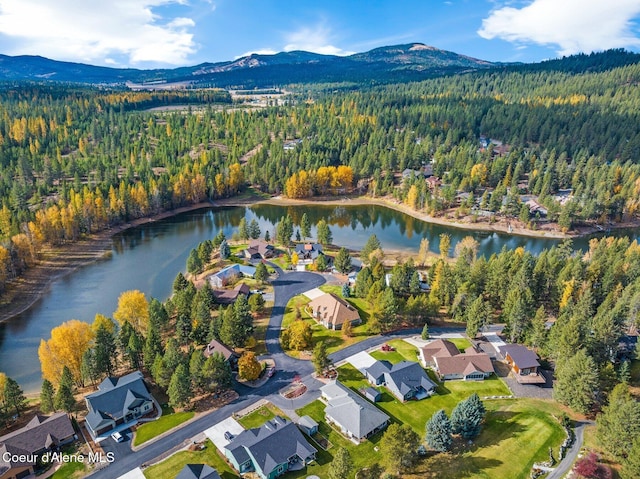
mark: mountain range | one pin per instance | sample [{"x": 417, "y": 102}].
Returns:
[{"x": 412, "y": 61}]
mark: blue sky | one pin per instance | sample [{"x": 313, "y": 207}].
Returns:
[{"x": 166, "y": 33}]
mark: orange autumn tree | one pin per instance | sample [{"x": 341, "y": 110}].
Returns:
[{"x": 67, "y": 345}]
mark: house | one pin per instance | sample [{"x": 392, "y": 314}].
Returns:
[
  {"x": 447, "y": 360},
  {"x": 230, "y": 274},
  {"x": 405, "y": 380},
  {"x": 117, "y": 401},
  {"x": 375, "y": 372},
  {"x": 535, "y": 207},
  {"x": 216, "y": 346},
  {"x": 372, "y": 394},
  {"x": 433, "y": 182},
  {"x": 40, "y": 435},
  {"x": 269, "y": 450},
  {"x": 308, "y": 252},
  {"x": 409, "y": 173},
  {"x": 332, "y": 312},
  {"x": 354, "y": 416},
  {"x": 308, "y": 425},
  {"x": 523, "y": 362},
  {"x": 229, "y": 296},
  {"x": 259, "y": 249},
  {"x": 15, "y": 463},
  {"x": 198, "y": 471}
]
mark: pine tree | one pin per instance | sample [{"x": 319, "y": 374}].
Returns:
[
  {"x": 194, "y": 263},
  {"x": 157, "y": 313},
  {"x": 439, "y": 432},
  {"x": 324, "y": 232},
  {"x": 320, "y": 357},
  {"x": 347, "y": 329},
  {"x": 372, "y": 244},
  {"x": 445, "y": 245},
  {"x": 180, "y": 283},
  {"x": 256, "y": 303},
  {"x": 46, "y": 397},
  {"x": 152, "y": 346},
  {"x": 341, "y": 465},
  {"x": 346, "y": 290},
  {"x": 179, "y": 390},
  {"x": 64, "y": 400},
  {"x": 14, "y": 397},
  {"x": 619, "y": 424},
  {"x": 196, "y": 364},
  {"x": 624, "y": 372},
  {"x": 261, "y": 274},
  {"x": 342, "y": 261},
  {"x": 267, "y": 236},
  {"x": 577, "y": 380},
  {"x": 467, "y": 417},
  {"x": 104, "y": 352},
  {"x": 243, "y": 229},
  {"x": 254, "y": 229},
  {"x": 631, "y": 465},
  {"x": 425, "y": 332},
  {"x": 305, "y": 226},
  {"x": 217, "y": 371},
  {"x": 225, "y": 250}
]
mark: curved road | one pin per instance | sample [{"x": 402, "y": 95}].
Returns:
[
  {"x": 565, "y": 465},
  {"x": 286, "y": 286}
]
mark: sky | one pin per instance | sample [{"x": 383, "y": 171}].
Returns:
[{"x": 169, "y": 33}]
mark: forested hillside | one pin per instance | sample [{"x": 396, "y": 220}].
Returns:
[{"x": 76, "y": 160}]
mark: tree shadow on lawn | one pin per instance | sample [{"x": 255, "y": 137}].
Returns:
[{"x": 452, "y": 465}]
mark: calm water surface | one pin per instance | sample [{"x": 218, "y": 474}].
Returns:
[{"x": 149, "y": 257}]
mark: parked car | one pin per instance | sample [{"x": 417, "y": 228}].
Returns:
[{"x": 116, "y": 436}]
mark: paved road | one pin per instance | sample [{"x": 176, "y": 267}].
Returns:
[
  {"x": 565, "y": 465},
  {"x": 285, "y": 286}
]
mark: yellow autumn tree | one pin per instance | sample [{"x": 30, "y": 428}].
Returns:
[
  {"x": 67, "y": 345},
  {"x": 249, "y": 367},
  {"x": 3, "y": 381},
  {"x": 133, "y": 308},
  {"x": 102, "y": 320},
  {"x": 294, "y": 258},
  {"x": 412, "y": 197}
]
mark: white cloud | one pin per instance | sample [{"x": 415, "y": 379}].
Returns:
[
  {"x": 97, "y": 30},
  {"x": 573, "y": 26},
  {"x": 313, "y": 39},
  {"x": 260, "y": 51}
]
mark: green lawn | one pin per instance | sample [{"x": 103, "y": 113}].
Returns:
[
  {"x": 333, "y": 339},
  {"x": 417, "y": 413},
  {"x": 258, "y": 417},
  {"x": 403, "y": 351},
  {"x": 461, "y": 343},
  {"x": 167, "y": 421},
  {"x": 516, "y": 434},
  {"x": 169, "y": 468},
  {"x": 362, "y": 455},
  {"x": 71, "y": 470}
]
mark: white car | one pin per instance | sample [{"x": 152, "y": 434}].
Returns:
[{"x": 116, "y": 436}]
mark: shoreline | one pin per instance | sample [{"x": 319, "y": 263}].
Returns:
[
  {"x": 500, "y": 226},
  {"x": 59, "y": 261}
]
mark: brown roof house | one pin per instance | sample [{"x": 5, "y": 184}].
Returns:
[
  {"x": 524, "y": 363},
  {"x": 40, "y": 435},
  {"x": 332, "y": 312},
  {"x": 229, "y": 296},
  {"x": 259, "y": 249},
  {"x": 445, "y": 358},
  {"x": 216, "y": 346}
]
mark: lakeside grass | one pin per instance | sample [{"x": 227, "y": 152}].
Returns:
[
  {"x": 166, "y": 422},
  {"x": 170, "y": 467}
]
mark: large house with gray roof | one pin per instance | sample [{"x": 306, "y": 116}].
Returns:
[
  {"x": 117, "y": 401},
  {"x": 354, "y": 416},
  {"x": 40, "y": 435},
  {"x": 270, "y": 450},
  {"x": 405, "y": 380}
]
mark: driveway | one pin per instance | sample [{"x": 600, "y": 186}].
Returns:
[
  {"x": 565, "y": 465},
  {"x": 119, "y": 449},
  {"x": 217, "y": 432}
]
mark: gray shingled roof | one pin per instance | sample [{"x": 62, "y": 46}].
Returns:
[
  {"x": 270, "y": 445},
  {"x": 351, "y": 411},
  {"x": 407, "y": 376},
  {"x": 377, "y": 369},
  {"x": 41, "y": 432},
  {"x": 198, "y": 471},
  {"x": 115, "y": 397},
  {"x": 522, "y": 356}
]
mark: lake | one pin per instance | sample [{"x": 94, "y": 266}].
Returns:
[{"x": 150, "y": 256}]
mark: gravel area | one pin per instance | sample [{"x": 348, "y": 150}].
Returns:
[{"x": 544, "y": 391}]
